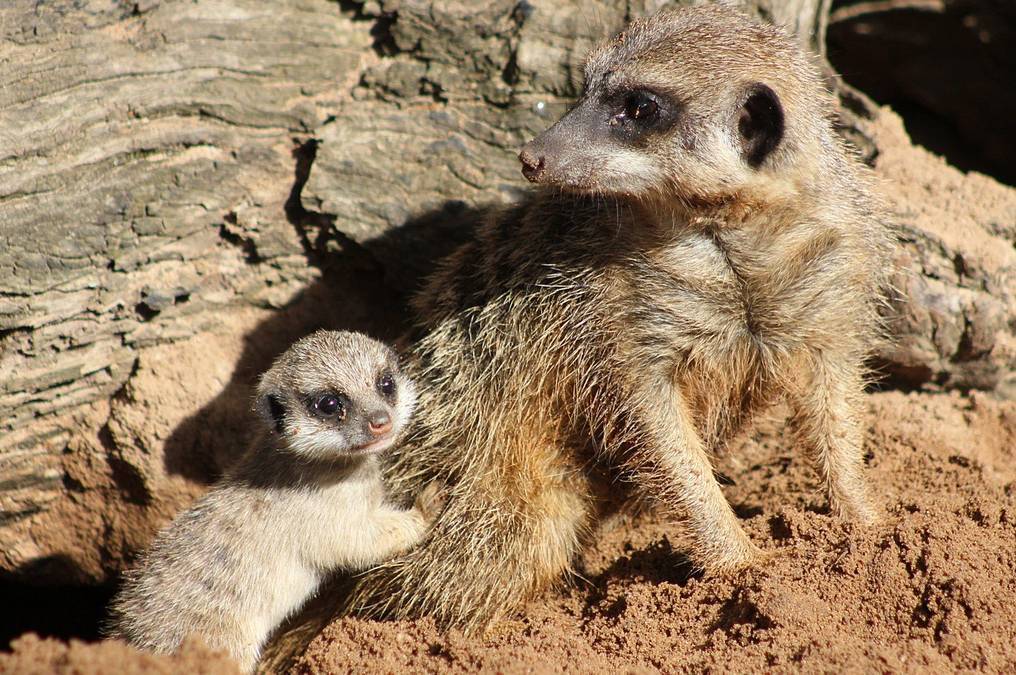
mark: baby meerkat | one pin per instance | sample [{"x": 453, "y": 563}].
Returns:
[
  {"x": 706, "y": 246},
  {"x": 305, "y": 500}
]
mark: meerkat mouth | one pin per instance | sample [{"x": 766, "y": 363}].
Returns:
[{"x": 375, "y": 446}]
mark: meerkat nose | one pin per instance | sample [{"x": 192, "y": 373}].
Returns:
[
  {"x": 379, "y": 422},
  {"x": 532, "y": 166}
]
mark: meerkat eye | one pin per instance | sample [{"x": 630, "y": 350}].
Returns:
[
  {"x": 386, "y": 385},
  {"x": 641, "y": 106},
  {"x": 329, "y": 405}
]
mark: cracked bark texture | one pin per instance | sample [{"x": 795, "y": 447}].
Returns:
[{"x": 187, "y": 187}]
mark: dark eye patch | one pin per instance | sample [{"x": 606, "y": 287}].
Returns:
[
  {"x": 329, "y": 405},
  {"x": 636, "y": 114},
  {"x": 640, "y": 106},
  {"x": 386, "y": 385}
]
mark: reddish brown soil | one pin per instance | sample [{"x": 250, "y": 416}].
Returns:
[
  {"x": 33, "y": 656},
  {"x": 932, "y": 589}
]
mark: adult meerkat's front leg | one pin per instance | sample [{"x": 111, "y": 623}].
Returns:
[
  {"x": 673, "y": 464},
  {"x": 827, "y": 412}
]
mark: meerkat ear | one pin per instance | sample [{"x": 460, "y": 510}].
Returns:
[
  {"x": 270, "y": 408},
  {"x": 759, "y": 123}
]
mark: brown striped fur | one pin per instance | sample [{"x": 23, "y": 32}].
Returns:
[{"x": 628, "y": 319}]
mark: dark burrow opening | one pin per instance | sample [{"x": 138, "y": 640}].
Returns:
[
  {"x": 947, "y": 67},
  {"x": 60, "y": 611}
]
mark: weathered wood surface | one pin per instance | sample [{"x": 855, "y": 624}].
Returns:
[
  {"x": 130, "y": 140},
  {"x": 146, "y": 154},
  {"x": 166, "y": 166}
]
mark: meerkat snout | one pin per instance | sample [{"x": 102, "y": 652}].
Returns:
[
  {"x": 379, "y": 422},
  {"x": 532, "y": 164}
]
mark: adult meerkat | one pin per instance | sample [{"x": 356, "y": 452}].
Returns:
[
  {"x": 706, "y": 245},
  {"x": 305, "y": 500}
]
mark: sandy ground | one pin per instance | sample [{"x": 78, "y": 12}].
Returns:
[
  {"x": 933, "y": 588},
  {"x": 35, "y": 656}
]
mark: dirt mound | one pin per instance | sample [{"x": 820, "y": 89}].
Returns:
[
  {"x": 32, "y": 655},
  {"x": 934, "y": 587}
]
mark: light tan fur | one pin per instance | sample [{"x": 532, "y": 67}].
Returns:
[
  {"x": 304, "y": 501},
  {"x": 627, "y": 321}
]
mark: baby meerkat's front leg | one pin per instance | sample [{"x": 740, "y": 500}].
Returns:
[
  {"x": 673, "y": 464},
  {"x": 430, "y": 501},
  {"x": 388, "y": 531},
  {"x": 827, "y": 411}
]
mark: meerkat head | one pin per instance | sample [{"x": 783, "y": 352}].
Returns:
[
  {"x": 336, "y": 394},
  {"x": 698, "y": 104}
]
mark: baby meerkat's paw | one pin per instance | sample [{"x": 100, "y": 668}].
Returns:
[{"x": 431, "y": 500}]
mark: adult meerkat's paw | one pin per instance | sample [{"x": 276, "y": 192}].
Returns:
[
  {"x": 431, "y": 500},
  {"x": 855, "y": 505},
  {"x": 731, "y": 556},
  {"x": 756, "y": 559},
  {"x": 862, "y": 513}
]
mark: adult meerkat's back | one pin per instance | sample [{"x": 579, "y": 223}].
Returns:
[{"x": 706, "y": 246}]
